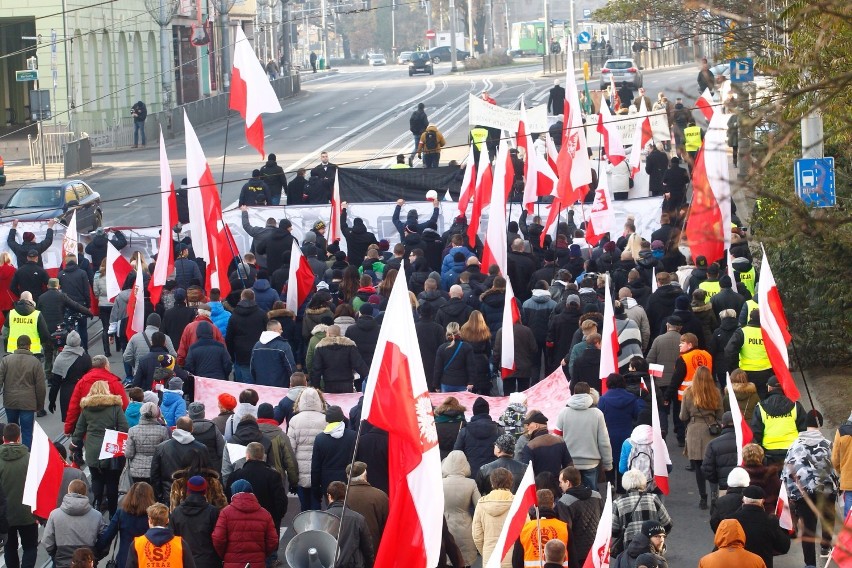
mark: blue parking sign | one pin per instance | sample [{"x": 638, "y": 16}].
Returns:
[
  {"x": 584, "y": 37},
  {"x": 742, "y": 70},
  {"x": 815, "y": 182}
]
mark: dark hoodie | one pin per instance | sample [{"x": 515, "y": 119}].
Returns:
[
  {"x": 477, "y": 439},
  {"x": 640, "y": 544},
  {"x": 365, "y": 334},
  {"x": 277, "y": 248},
  {"x": 456, "y": 310},
  {"x": 208, "y": 357},
  {"x": 411, "y": 220},
  {"x": 491, "y": 304},
  {"x": 158, "y": 536},
  {"x": 273, "y": 175},
  {"x": 194, "y": 520},
  {"x": 264, "y": 295},
  {"x": 419, "y": 273},
  {"x": 660, "y": 306},
  {"x": 245, "y": 326}
]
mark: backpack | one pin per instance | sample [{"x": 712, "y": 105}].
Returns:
[
  {"x": 642, "y": 458},
  {"x": 414, "y": 123},
  {"x": 431, "y": 140}
]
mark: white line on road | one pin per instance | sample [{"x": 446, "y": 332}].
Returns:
[
  {"x": 317, "y": 114},
  {"x": 129, "y": 203},
  {"x": 243, "y": 147},
  {"x": 285, "y": 128},
  {"x": 268, "y": 136},
  {"x": 303, "y": 120}
]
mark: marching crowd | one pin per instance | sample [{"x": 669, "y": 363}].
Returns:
[{"x": 216, "y": 489}]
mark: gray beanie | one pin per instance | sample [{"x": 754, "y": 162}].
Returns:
[{"x": 196, "y": 411}]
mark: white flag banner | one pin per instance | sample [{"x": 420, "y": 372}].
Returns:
[{"x": 113, "y": 445}]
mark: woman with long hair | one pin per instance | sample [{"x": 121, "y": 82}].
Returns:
[
  {"x": 348, "y": 287},
  {"x": 83, "y": 558},
  {"x": 745, "y": 392},
  {"x": 701, "y": 411},
  {"x": 455, "y": 369},
  {"x": 449, "y": 420},
  {"x": 475, "y": 332},
  {"x": 130, "y": 521},
  {"x": 100, "y": 411},
  {"x": 385, "y": 287},
  {"x": 7, "y": 272},
  {"x": 195, "y": 464},
  {"x": 99, "y": 286}
]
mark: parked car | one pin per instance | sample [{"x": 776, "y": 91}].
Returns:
[
  {"x": 375, "y": 59},
  {"x": 420, "y": 62},
  {"x": 442, "y": 53},
  {"x": 623, "y": 71},
  {"x": 404, "y": 57},
  {"x": 56, "y": 200},
  {"x": 2, "y": 172}
]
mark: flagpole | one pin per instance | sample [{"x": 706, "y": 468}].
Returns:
[
  {"x": 348, "y": 484},
  {"x": 802, "y": 372},
  {"x": 225, "y": 157}
]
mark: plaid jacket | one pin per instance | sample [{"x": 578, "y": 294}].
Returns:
[{"x": 633, "y": 509}]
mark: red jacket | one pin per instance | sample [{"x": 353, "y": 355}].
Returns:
[
  {"x": 7, "y": 298},
  {"x": 82, "y": 388},
  {"x": 244, "y": 533},
  {"x": 189, "y": 337}
]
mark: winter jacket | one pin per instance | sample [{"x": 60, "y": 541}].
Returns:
[
  {"x": 460, "y": 496},
  {"x": 584, "y": 430},
  {"x": 194, "y": 520},
  {"x": 586, "y": 366},
  {"x": 776, "y": 404},
  {"x": 173, "y": 406},
  {"x": 190, "y": 335},
  {"x": 521, "y": 267},
  {"x": 808, "y": 468},
  {"x": 235, "y": 458},
  {"x": 126, "y": 527},
  {"x": 454, "y": 364},
  {"x": 730, "y": 541},
  {"x": 372, "y": 504},
  {"x": 515, "y": 467},
  {"x": 82, "y": 389},
  {"x": 358, "y": 238},
  {"x": 14, "y": 461},
  {"x": 536, "y": 312},
  {"x": 560, "y": 332},
  {"x": 373, "y": 451},
  {"x": 75, "y": 283},
  {"x": 726, "y": 506},
  {"x": 208, "y": 357},
  {"x": 143, "y": 377},
  {"x": 547, "y": 452},
  {"x": 267, "y": 487},
  {"x": 491, "y": 305},
  {"x": 581, "y": 508},
  {"x": 281, "y": 456},
  {"x": 169, "y": 457},
  {"x": 244, "y": 533},
  {"x": 264, "y": 295},
  {"x": 747, "y": 399},
  {"x": 660, "y": 306},
  {"x": 449, "y": 424},
  {"x": 244, "y": 328},
  {"x": 73, "y": 525},
  {"x": 640, "y": 545},
  {"x": 137, "y": 347},
  {"x": 629, "y": 339},
  {"x": 365, "y": 334},
  {"x": 284, "y": 408},
  {"x": 142, "y": 442},
  {"x": 31, "y": 277},
  {"x": 725, "y": 299},
  {"x": 158, "y": 537},
  {"x": 455, "y": 310},
  {"x": 333, "y": 449},
  {"x": 186, "y": 270},
  {"x": 53, "y": 305},
  {"x": 488, "y": 519},
  {"x": 22, "y": 381},
  {"x": 621, "y": 410},
  {"x": 763, "y": 535},
  {"x": 841, "y": 455},
  {"x": 697, "y": 421},
  {"x": 630, "y": 511},
  {"x": 306, "y": 424},
  {"x": 99, "y": 412},
  {"x": 709, "y": 322},
  {"x": 718, "y": 341},
  {"x": 335, "y": 360},
  {"x": 665, "y": 351},
  {"x": 477, "y": 439},
  {"x": 720, "y": 457},
  {"x": 312, "y": 318},
  {"x": 206, "y": 432},
  {"x": 356, "y": 547},
  {"x": 526, "y": 351},
  {"x": 219, "y": 316},
  {"x": 175, "y": 320},
  {"x": 272, "y": 360}
]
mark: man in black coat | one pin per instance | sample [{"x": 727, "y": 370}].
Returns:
[
  {"x": 273, "y": 175},
  {"x": 356, "y": 546},
  {"x": 764, "y": 536},
  {"x": 556, "y": 100},
  {"x": 417, "y": 123},
  {"x": 477, "y": 439},
  {"x": 504, "y": 451},
  {"x": 358, "y": 238},
  {"x": 75, "y": 282},
  {"x": 174, "y": 454},
  {"x": 729, "y": 504},
  {"x": 30, "y": 277},
  {"x": 297, "y": 188},
  {"x": 53, "y": 303},
  {"x": 186, "y": 269},
  {"x": 430, "y": 336},
  {"x": 655, "y": 166},
  {"x": 335, "y": 360},
  {"x": 661, "y": 303},
  {"x": 675, "y": 181},
  {"x": 255, "y": 191},
  {"x": 333, "y": 449},
  {"x": 581, "y": 508},
  {"x": 720, "y": 456},
  {"x": 278, "y": 246},
  {"x": 194, "y": 520},
  {"x": 22, "y": 250},
  {"x": 326, "y": 172},
  {"x": 365, "y": 333},
  {"x": 97, "y": 249},
  {"x": 266, "y": 483},
  {"x": 726, "y": 298},
  {"x": 521, "y": 267},
  {"x": 176, "y": 318},
  {"x": 258, "y": 234},
  {"x": 456, "y": 309},
  {"x": 244, "y": 328},
  {"x": 412, "y": 219}
]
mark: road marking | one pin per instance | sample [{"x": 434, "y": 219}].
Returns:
[
  {"x": 267, "y": 136},
  {"x": 243, "y": 147},
  {"x": 332, "y": 108},
  {"x": 317, "y": 114},
  {"x": 285, "y": 128},
  {"x": 327, "y": 127},
  {"x": 301, "y": 121},
  {"x": 129, "y": 203},
  {"x": 345, "y": 102}
]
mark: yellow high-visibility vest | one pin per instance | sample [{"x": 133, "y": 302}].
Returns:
[
  {"x": 747, "y": 278},
  {"x": 779, "y": 432},
  {"x": 753, "y": 355},
  {"x": 23, "y": 325},
  {"x": 692, "y": 135},
  {"x": 712, "y": 287},
  {"x": 478, "y": 136}
]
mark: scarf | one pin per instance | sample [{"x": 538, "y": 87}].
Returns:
[{"x": 65, "y": 359}]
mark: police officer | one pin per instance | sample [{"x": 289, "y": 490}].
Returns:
[
  {"x": 776, "y": 422},
  {"x": 159, "y": 547},
  {"x": 25, "y": 319},
  {"x": 255, "y": 191},
  {"x": 690, "y": 359},
  {"x": 711, "y": 285},
  {"x": 478, "y": 136},
  {"x": 692, "y": 135},
  {"x": 745, "y": 350}
]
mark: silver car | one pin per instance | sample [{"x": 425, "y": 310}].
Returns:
[{"x": 623, "y": 71}]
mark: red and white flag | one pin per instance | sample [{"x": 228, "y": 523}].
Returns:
[
  {"x": 609, "y": 339},
  {"x": 574, "y": 166},
  {"x": 708, "y": 228},
  {"x": 525, "y": 497},
  {"x": 641, "y": 136},
  {"x": 614, "y": 99},
  {"x": 117, "y": 270},
  {"x": 552, "y": 155},
  {"x": 301, "y": 279},
  {"x": 782, "y": 509},
  {"x": 71, "y": 238},
  {"x": 704, "y": 103},
  {"x": 251, "y": 92},
  {"x": 44, "y": 475},
  {"x": 841, "y": 554},
  {"x": 481, "y": 196},
  {"x": 656, "y": 370},
  {"x": 468, "y": 184},
  {"x": 742, "y": 430},
  {"x": 495, "y": 249},
  {"x": 113, "y": 444},
  {"x": 335, "y": 233},
  {"x": 774, "y": 328},
  {"x": 599, "y": 554},
  {"x": 535, "y": 169},
  {"x": 168, "y": 219},
  {"x": 397, "y": 400},
  {"x": 611, "y": 137},
  {"x": 136, "y": 305},
  {"x": 662, "y": 461},
  {"x": 602, "y": 216},
  {"x": 511, "y": 316}
]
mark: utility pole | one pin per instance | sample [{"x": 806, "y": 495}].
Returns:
[
  {"x": 470, "y": 28},
  {"x": 453, "y": 62}
]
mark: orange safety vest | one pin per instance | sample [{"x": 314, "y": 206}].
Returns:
[
  {"x": 693, "y": 359},
  {"x": 149, "y": 555},
  {"x": 550, "y": 529}
]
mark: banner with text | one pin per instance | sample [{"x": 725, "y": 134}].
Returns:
[{"x": 485, "y": 114}]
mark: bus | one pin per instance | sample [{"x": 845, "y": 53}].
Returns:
[{"x": 528, "y": 37}]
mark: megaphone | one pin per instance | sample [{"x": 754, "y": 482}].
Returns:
[
  {"x": 311, "y": 549},
  {"x": 316, "y": 521}
]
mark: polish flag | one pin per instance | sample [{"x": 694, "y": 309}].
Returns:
[
  {"x": 613, "y": 97},
  {"x": 552, "y": 154},
  {"x": 251, "y": 92},
  {"x": 44, "y": 475},
  {"x": 708, "y": 227},
  {"x": 782, "y": 509},
  {"x": 300, "y": 281},
  {"x": 397, "y": 400},
  {"x": 773, "y": 326},
  {"x": 117, "y": 269},
  {"x": 481, "y": 198},
  {"x": 573, "y": 165},
  {"x": 531, "y": 162},
  {"x": 653, "y": 279},
  {"x": 495, "y": 250},
  {"x": 468, "y": 185},
  {"x": 136, "y": 306},
  {"x": 841, "y": 554},
  {"x": 705, "y": 104},
  {"x": 662, "y": 461},
  {"x": 525, "y": 497},
  {"x": 511, "y": 316},
  {"x": 656, "y": 370},
  {"x": 599, "y": 554},
  {"x": 641, "y": 136},
  {"x": 335, "y": 233},
  {"x": 612, "y": 143},
  {"x": 168, "y": 219},
  {"x": 71, "y": 238},
  {"x": 609, "y": 339},
  {"x": 742, "y": 430},
  {"x": 602, "y": 217}
]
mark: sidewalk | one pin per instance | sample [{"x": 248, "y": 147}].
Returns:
[{"x": 18, "y": 175}]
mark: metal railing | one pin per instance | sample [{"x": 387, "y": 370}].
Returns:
[
  {"x": 53, "y": 146},
  {"x": 107, "y": 133}
]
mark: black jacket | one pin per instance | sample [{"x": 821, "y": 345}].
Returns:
[
  {"x": 175, "y": 320},
  {"x": 418, "y": 122},
  {"x": 458, "y": 370},
  {"x": 277, "y": 248},
  {"x": 206, "y": 432},
  {"x": 560, "y": 332},
  {"x": 255, "y": 192},
  {"x": 75, "y": 283},
  {"x": 521, "y": 267},
  {"x": 547, "y": 452},
  {"x": 556, "y": 100},
  {"x": 358, "y": 238},
  {"x": 764, "y": 536},
  {"x": 20, "y": 250},
  {"x": 329, "y": 460},
  {"x": 335, "y": 361},
  {"x": 273, "y": 175},
  {"x": 720, "y": 457},
  {"x": 170, "y": 456},
  {"x": 587, "y": 368},
  {"x": 430, "y": 336},
  {"x": 726, "y": 507},
  {"x": 581, "y": 509},
  {"x": 412, "y": 219},
  {"x": 491, "y": 304},
  {"x": 356, "y": 545},
  {"x": 31, "y": 277},
  {"x": 455, "y": 310},
  {"x": 144, "y": 376},
  {"x": 655, "y": 166},
  {"x": 296, "y": 190},
  {"x": 477, "y": 439},
  {"x": 208, "y": 357},
  {"x": 365, "y": 334},
  {"x": 194, "y": 521},
  {"x": 726, "y": 299},
  {"x": 52, "y": 305},
  {"x": 267, "y": 486},
  {"x": 516, "y": 468},
  {"x": 258, "y": 234},
  {"x": 99, "y": 246},
  {"x": 244, "y": 328},
  {"x": 660, "y": 306},
  {"x": 373, "y": 451}
]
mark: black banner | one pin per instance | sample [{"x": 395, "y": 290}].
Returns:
[{"x": 411, "y": 184}]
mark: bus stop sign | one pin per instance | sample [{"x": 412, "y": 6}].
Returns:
[{"x": 815, "y": 182}]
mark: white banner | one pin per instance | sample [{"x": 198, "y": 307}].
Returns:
[
  {"x": 626, "y": 125},
  {"x": 485, "y": 114}
]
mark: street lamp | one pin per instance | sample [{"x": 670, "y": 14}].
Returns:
[
  {"x": 163, "y": 11},
  {"x": 222, "y": 7}
]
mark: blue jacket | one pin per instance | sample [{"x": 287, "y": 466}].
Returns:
[
  {"x": 219, "y": 316},
  {"x": 448, "y": 262},
  {"x": 132, "y": 413},
  {"x": 272, "y": 361},
  {"x": 173, "y": 406},
  {"x": 207, "y": 357},
  {"x": 264, "y": 295},
  {"x": 186, "y": 271},
  {"x": 127, "y": 527},
  {"x": 451, "y": 275},
  {"x": 620, "y": 409}
]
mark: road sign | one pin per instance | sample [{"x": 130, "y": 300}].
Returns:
[
  {"x": 742, "y": 70},
  {"x": 26, "y": 75},
  {"x": 815, "y": 182},
  {"x": 584, "y": 37},
  {"x": 430, "y": 34}
]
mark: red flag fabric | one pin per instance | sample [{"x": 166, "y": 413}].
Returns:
[
  {"x": 609, "y": 339},
  {"x": 251, "y": 92},
  {"x": 397, "y": 400},
  {"x": 136, "y": 307},
  {"x": 705, "y": 104},
  {"x": 641, "y": 136},
  {"x": 468, "y": 185},
  {"x": 495, "y": 249},
  {"x": 742, "y": 431},
  {"x": 841, "y": 554},
  {"x": 117, "y": 269},
  {"x": 573, "y": 165},
  {"x": 44, "y": 475},
  {"x": 658, "y": 444},
  {"x": 481, "y": 196},
  {"x": 773, "y": 327},
  {"x": 599, "y": 554},
  {"x": 525, "y": 497},
  {"x": 168, "y": 218},
  {"x": 335, "y": 233},
  {"x": 531, "y": 161},
  {"x": 511, "y": 316},
  {"x": 301, "y": 279},
  {"x": 602, "y": 216},
  {"x": 612, "y": 142},
  {"x": 782, "y": 509}
]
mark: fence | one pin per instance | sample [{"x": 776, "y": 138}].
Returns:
[
  {"x": 648, "y": 59},
  {"x": 53, "y": 147},
  {"x": 107, "y": 133}
]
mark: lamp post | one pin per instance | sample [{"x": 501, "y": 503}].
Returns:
[
  {"x": 222, "y": 7},
  {"x": 453, "y": 53},
  {"x": 163, "y": 11}
]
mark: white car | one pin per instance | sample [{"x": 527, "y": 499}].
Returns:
[{"x": 375, "y": 59}]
